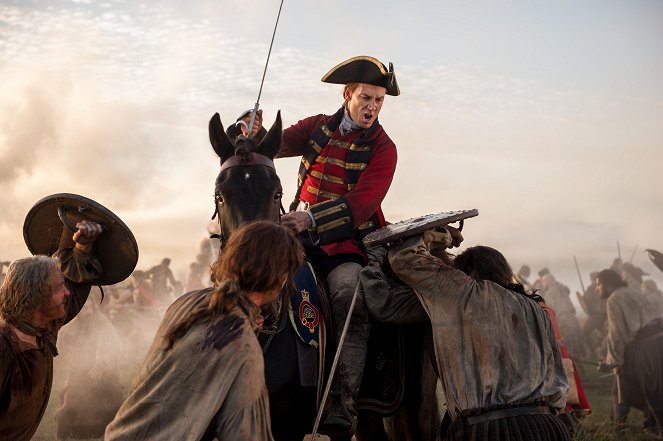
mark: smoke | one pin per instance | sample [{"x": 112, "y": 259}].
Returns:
[
  {"x": 112, "y": 101},
  {"x": 100, "y": 353}
]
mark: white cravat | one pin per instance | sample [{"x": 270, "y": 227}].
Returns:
[{"x": 347, "y": 124}]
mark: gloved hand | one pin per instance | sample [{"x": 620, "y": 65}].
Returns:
[
  {"x": 376, "y": 256},
  {"x": 436, "y": 238},
  {"x": 603, "y": 367}
]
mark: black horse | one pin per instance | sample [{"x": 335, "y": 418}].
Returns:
[{"x": 248, "y": 188}]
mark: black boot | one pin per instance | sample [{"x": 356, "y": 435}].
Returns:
[{"x": 336, "y": 422}]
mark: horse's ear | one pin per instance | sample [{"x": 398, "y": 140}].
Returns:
[
  {"x": 271, "y": 143},
  {"x": 219, "y": 140}
]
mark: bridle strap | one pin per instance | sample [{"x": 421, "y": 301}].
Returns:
[{"x": 251, "y": 158}]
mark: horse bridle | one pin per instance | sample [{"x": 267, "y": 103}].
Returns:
[{"x": 251, "y": 158}]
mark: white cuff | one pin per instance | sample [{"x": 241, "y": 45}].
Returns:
[{"x": 313, "y": 224}]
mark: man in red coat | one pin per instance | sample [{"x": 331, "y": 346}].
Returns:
[{"x": 348, "y": 162}]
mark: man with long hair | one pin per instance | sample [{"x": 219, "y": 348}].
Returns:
[
  {"x": 635, "y": 351},
  {"x": 38, "y": 296},
  {"x": 495, "y": 348},
  {"x": 203, "y": 377}
]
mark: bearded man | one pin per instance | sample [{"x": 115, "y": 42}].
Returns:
[{"x": 38, "y": 296}]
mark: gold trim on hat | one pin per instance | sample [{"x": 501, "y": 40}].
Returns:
[{"x": 352, "y": 60}]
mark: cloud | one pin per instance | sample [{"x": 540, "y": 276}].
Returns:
[{"x": 112, "y": 100}]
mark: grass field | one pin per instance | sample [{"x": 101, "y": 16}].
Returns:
[{"x": 597, "y": 386}]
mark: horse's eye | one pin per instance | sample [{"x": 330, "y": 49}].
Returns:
[
  {"x": 278, "y": 195},
  {"x": 218, "y": 199}
]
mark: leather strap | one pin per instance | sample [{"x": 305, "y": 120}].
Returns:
[
  {"x": 248, "y": 159},
  {"x": 509, "y": 412}
]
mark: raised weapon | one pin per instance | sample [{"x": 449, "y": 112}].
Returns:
[
  {"x": 257, "y": 105},
  {"x": 581, "y": 299}
]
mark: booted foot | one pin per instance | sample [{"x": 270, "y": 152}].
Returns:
[{"x": 336, "y": 423}]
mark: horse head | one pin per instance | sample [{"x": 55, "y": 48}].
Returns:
[{"x": 247, "y": 187}]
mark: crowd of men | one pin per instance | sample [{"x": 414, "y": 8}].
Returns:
[{"x": 497, "y": 341}]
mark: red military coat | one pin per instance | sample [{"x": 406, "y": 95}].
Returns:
[{"x": 343, "y": 178}]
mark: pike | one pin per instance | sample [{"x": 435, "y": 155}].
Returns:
[
  {"x": 581, "y": 300},
  {"x": 619, "y": 251}
]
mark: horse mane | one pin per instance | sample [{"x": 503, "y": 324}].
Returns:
[{"x": 244, "y": 147}]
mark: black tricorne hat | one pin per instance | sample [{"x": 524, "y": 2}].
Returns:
[{"x": 364, "y": 69}]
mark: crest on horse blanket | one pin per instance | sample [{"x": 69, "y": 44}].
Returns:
[
  {"x": 383, "y": 381},
  {"x": 305, "y": 308}
]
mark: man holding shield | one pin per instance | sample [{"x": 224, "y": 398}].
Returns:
[{"x": 40, "y": 294}]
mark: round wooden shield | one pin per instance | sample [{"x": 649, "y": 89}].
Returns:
[
  {"x": 115, "y": 247},
  {"x": 416, "y": 225}
]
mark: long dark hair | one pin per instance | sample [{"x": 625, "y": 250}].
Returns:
[
  {"x": 255, "y": 259},
  {"x": 486, "y": 263},
  {"x": 611, "y": 278}
]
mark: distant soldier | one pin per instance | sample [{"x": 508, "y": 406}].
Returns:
[
  {"x": 162, "y": 276},
  {"x": 635, "y": 350},
  {"x": 632, "y": 275},
  {"x": 195, "y": 280},
  {"x": 653, "y": 296},
  {"x": 557, "y": 297},
  {"x": 522, "y": 277},
  {"x": 538, "y": 283},
  {"x": 143, "y": 293},
  {"x": 616, "y": 265},
  {"x": 595, "y": 327}
]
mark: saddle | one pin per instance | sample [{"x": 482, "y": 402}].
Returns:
[{"x": 308, "y": 312}]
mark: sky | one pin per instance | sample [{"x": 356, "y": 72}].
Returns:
[{"x": 544, "y": 116}]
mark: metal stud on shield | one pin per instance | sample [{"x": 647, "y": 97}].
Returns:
[{"x": 416, "y": 225}]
